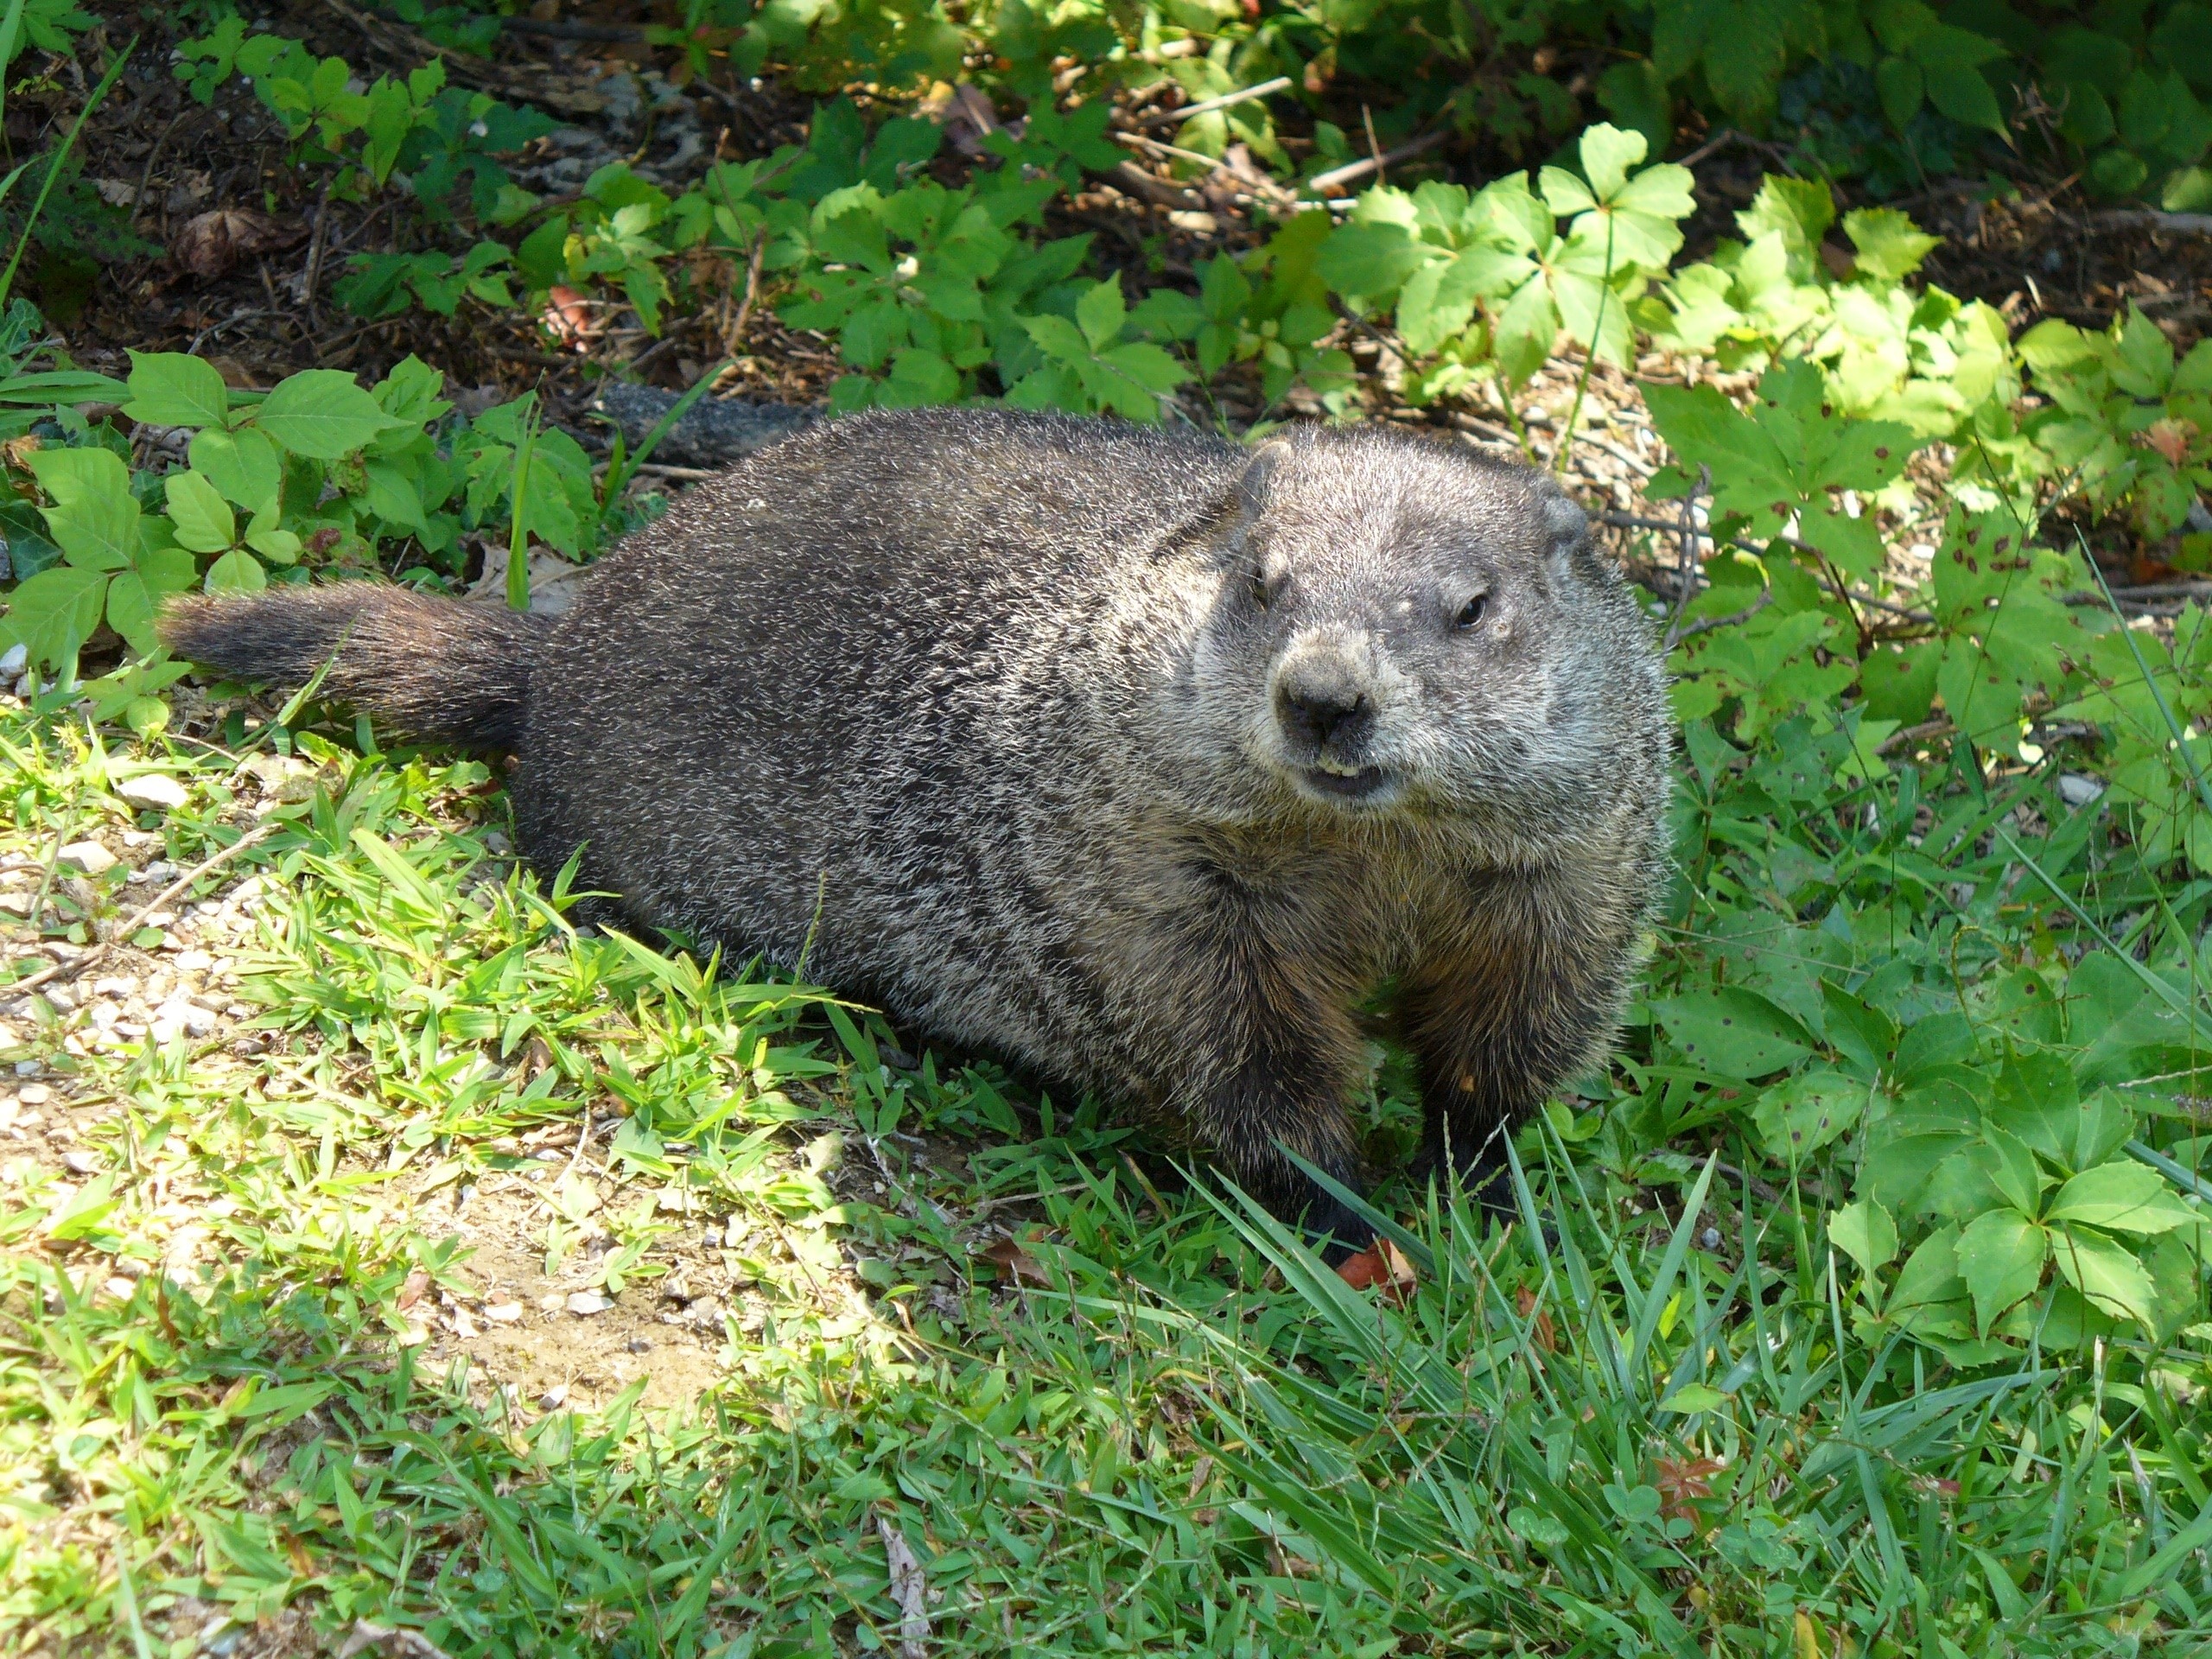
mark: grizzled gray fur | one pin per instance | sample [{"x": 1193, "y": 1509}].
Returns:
[{"x": 1139, "y": 759}]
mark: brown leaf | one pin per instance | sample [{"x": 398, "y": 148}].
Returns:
[
  {"x": 1380, "y": 1265},
  {"x": 416, "y": 1288},
  {"x": 2171, "y": 440},
  {"x": 210, "y": 244},
  {"x": 1015, "y": 1265},
  {"x": 1542, "y": 1332},
  {"x": 1681, "y": 1480}
]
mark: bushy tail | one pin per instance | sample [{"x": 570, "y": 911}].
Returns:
[{"x": 443, "y": 671}]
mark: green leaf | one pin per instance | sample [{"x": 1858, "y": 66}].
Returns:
[
  {"x": 1608, "y": 153},
  {"x": 2001, "y": 1255},
  {"x": 1960, "y": 92},
  {"x": 171, "y": 389},
  {"x": 73, "y": 475},
  {"x": 1890, "y": 246},
  {"x": 52, "y": 613},
  {"x": 1099, "y": 313},
  {"x": 1864, "y": 1231},
  {"x": 201, "y": 516},
  {"x": 1734, "y": 1032},
  {"x": 2011, "y": 1169},
  {"x": 99, "y": 532},
  {"x": 236, "y": 572},
  {"x": 243, "y": 465},
  {"x": 1798, "y": 1117},
  {"x": 2123, "y": 1196},
  {"x": 2105, "y": 1272},
  {"x": 1901, "y": 87},
  {"x": 134, "y": 598},
  {"x": 323, "y": 414}
]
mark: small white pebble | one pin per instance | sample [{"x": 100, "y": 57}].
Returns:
[
  {"x": 152, "y": 789},
  {"x": 503, "y": 1313},
  {"x": 586, "y": 1303},
  {"x": 89, "y": 856},
  {"x": 33, "y": 1094},
  {"x": 80, "y": 1162}
]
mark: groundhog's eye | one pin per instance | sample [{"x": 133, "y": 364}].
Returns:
[
  {"x": 1472, "y": 612},
  {"x": 1261, "y": 592}
]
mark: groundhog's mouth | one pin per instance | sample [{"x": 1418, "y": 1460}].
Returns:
[{"x": 1346, "y": 785}]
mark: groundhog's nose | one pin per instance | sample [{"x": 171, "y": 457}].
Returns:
[{"x": 1320, "y": 704}]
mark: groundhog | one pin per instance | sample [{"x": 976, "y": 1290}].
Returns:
[{"x": 1139, "y": 759}]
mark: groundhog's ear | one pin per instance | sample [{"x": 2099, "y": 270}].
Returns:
[
  {"x": 1249, "y": 496},
  {"x": 1568, "y": 528}
]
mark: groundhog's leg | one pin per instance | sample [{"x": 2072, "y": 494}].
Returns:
[
  {"x": 1522, "y": 1000},
  {"x": 1268, "y": 1054}
]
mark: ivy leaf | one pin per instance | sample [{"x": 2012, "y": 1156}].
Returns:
[
  {"x": 321, "y": 414},
  {"x": 2105, "y": 1272},
  {"x": 2124, "y": 1197},
  {"x": 172, "y": 389},
  {"x": 2001, "y": 1255}
]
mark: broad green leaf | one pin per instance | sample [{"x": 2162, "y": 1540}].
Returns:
[
  {"x": 99, "y": 532},
  {"x": 71, "y": 476},
  {"x": 134, "y": 598},
  {"x": 1929, "y": 1277},
  {"x": 1962, "y": 92},
  {"x": 321, "y": 414},
  {"x": 201, "y": 517},
  {"x": 171, "y": 389},
  {"x": 1864, "y": 1231},
  {"x": 1798, "y": 1117},
  {"x": 2000, "y": 1256},
  {"x": 1734, "y": 1032},
  {"x": 54, "y": 612},
  {"x": 236, "y": 572},
  {"x": 2123, "y": 1196},
  {"x": 243, "y": 465},
  {"x": 2105, "y": 1272}
]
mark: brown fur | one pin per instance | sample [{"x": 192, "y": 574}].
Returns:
[{"x": 1136, "y": 757}]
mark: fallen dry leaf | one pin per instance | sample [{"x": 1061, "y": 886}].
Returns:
[
  {"x": 908, "y": 1589},
  {"x": 1543, "y": 1332},
  {"x": 208, "y": 245},
  {"x": 394, "y": 1644},
  {"x": 1015, "y": 1265},
  {"x": 1380, "y": 1265},
  {"x": 416, "y": 1288}
]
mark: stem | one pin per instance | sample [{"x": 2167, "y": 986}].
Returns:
[
  {"x": 1566, "y": 449},
  {"x": 61, "y": 156}
]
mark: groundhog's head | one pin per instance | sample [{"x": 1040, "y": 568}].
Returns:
[{"x": 1404, "y": 626}]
